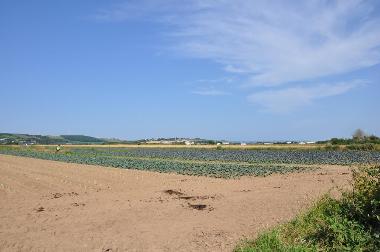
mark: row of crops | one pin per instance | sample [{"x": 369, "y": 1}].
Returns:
[
  {"x": 243, "y": 155},
  {"x": 201, "y": 162},
  {"x": 212, "y": 169}
]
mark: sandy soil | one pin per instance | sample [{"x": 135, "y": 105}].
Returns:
[{"x": 53, "y": 206}]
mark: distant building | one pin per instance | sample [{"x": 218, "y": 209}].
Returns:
[
  {"x": 225, "y": 143},
  {"x": 310, "y": 142},
  {"x": 243, "y": 144},
  {"x": 153, "y": 142},
  {"x": 301, "y": 143}
]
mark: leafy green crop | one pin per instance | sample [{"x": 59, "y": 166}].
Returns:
[
  {"x": 200, "y": 162},
  {"x": 245, "y": 156}
]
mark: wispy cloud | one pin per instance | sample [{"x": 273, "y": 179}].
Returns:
[
  {"x": 289, "y": 99},
  {"x": 214, "y": 87},
  {"x": 270, "y": 43},
  {"x": 210, "y": 92},
  {"x": 218, "y": 80}
]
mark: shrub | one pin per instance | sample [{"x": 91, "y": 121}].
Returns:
[
  {"x": 332, "y": 147},
  {"x": 351, "y": 223},
  {"x": 364, "y": 147}
]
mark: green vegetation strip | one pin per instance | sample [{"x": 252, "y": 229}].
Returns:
[
  {"x": 351, "y": 223},
  {"x": 243, "y": 156},
  {"x": 203, "y": 168}
]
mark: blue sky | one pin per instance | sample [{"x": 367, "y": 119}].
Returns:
[{"x": 237, "y": 70}]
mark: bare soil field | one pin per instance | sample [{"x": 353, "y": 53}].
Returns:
[{"x": 54, "y": 206}]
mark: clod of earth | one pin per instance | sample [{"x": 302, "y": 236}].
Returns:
[
  {"x": 57, "y": 195},
  {"x": 40, "y": 209},
  {"x": 198, "y": 206},
  {"x": 187, "y": 197},
  {"x": 171, "y": 192},
  {"x": 196, "y": 197},
  {"x": 78, "y": 204}
]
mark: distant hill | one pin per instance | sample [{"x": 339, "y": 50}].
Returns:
[
  {"x": 82, "y": 138},
  {"x": 9, "y": 138}
]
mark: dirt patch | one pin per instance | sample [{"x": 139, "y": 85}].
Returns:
[
  {"x": 244, "y": 191},
  {"x": 198, "y": 197},
  {"x": 173, "y": 192},
  {"x": 181, "y": 195},
  {"x": 92, "y": 208},
  {"x": 59, "y": 195},
  {"x": 40, "y": 209},
  {"x": 78, "y": 204},
  {"x": 187, "y": 197},
  {"x": 198, "y": 206}
]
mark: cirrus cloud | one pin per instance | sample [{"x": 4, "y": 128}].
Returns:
[
  {"x": 287, "y": 99},
  {"x": 270, "y": 43},
  {"x": 210, "y": 92}
]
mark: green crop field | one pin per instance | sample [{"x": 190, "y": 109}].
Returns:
[{"x": 201, "y": 162}]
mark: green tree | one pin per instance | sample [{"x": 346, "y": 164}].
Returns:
[{"x": 359, "y": 135}]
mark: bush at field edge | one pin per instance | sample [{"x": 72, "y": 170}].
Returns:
[{"x": 351, "y": 223}]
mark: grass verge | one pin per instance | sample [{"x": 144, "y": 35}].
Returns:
[{"x": 351, "y": 223}]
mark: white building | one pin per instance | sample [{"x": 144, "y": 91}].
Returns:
[{"x": 188, "y": 142}]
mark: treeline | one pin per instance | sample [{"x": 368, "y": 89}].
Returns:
[
  {"x": 359, "y": 141},
  {"x": 368, "y": 139}
]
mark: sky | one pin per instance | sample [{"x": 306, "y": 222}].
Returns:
[{"x": 237, "y": 70}]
